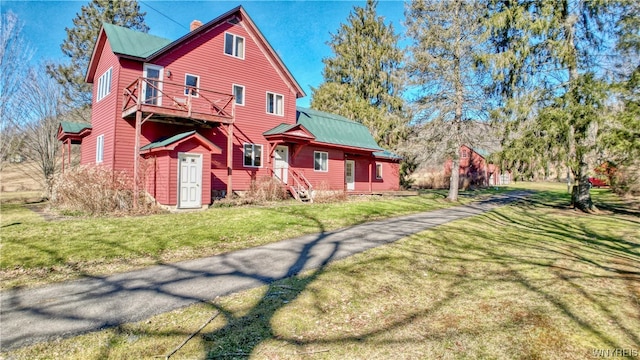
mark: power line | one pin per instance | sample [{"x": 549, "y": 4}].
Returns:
[{"x": 161, "y": 13}]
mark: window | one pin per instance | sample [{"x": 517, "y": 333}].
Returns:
[
  {"x": 191, "y": 84},
  {"x": 378, "y": 171},
  {"x": 252, "y": 155},
  {"x": 238, "y": 92},
  {"x": 275, "y": 104},
  {"x": 321, "y": 161},
  {"x": 99, "y": 148},
  {"x": 234, "y": 45},
  {"x": 465, "y": 154},
  {"x": 104, "y": 85}
]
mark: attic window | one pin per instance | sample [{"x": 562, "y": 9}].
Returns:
[
  {"x": 234, "y": 45},
  {"x": 104, "y": 85}
]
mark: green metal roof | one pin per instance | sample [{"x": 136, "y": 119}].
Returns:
[
  {"x": 74, "y": 127},
  {"x": 167, "y": 141},
  {"x": 337, "y": 130},
  {"x": 131, "y": 42},
  {"x": 282, "y": 128},
  {"x": 387, "y": 154}
]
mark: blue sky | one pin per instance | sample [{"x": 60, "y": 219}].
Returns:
[{"x": 297, "y": 30}]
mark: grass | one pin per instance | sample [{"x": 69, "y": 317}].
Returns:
[
  {"x": 36, "y": 251},
  {"x": 532, "y": 280}
]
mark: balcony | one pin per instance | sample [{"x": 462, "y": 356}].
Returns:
[{"x": 165, "y": 101}]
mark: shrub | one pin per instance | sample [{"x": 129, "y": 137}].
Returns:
[
  {"x": 324, "y": 194},
  {"x": 265, "y": 189},
  {"x": 95, "y": 190},
  {"x": 431, "y": 179}
]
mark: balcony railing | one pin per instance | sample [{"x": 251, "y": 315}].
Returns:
[{"x": 170, "y": 99}]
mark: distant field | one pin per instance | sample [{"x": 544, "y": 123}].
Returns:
[{"x": 18, "y": 183}]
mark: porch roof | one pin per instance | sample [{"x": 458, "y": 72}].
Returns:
[
  {"x": 73, "y": 127},
  {"x": 336, "y": 130},
  {"x": 170, "y": 143}
]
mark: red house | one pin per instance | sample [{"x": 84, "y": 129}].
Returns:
[
  {"x": 475, "y": 168},
  {"x": 213, "y": 111}
]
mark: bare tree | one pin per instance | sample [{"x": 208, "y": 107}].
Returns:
[
  {"x": 41, "y": 99},
  {"x": 447, "y": 40},
  {"x": 15, "y": 54}
]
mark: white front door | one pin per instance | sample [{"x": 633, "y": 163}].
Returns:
[
  {"x": 349, "y": 174},
  {"x": 151, "y": 89},
  {"x": 281, "y": 163},
  {"x": 189, "y": 180}
]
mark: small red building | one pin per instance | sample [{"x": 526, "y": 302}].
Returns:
[
  {"x": 475, "y": 168},
  {"x": 213, "y": 111}
]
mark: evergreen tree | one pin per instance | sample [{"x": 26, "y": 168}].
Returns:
[
  {"x": 81, "y": 39},
  {"x": 556, "y": 46},
  {"x": 447, "y": 39},
  {"x": 363, "y": 80}
]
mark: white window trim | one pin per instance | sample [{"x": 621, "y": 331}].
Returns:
[
  {"x": 104, "y": 85},
  {"x": 186, "y": 92},
  {"x": 252, "y": 157},
  {"x": 99, "y": 149},
  {"x": 314, "y": 161},
  {"x": 233, "y": 48},
  {"x": 160, "y": 69},
  {"x": 378, "y": 166},
  {"x": 244, "y": 93},
  {"x": 275, "y": 95}
]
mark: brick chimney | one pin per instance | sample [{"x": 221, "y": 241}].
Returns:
[{"x": 195, "y": 24}]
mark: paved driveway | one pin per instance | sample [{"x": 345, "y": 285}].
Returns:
[{"x": 34, "y": 315}]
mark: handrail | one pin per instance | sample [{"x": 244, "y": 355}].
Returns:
[{"x": 166, "y": 94}]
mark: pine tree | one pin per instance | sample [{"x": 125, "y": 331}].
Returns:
[
  {"x": 81, "y": 39},
  {"x": 447, "y": 38},
  {"x": 362, "y": 80},
  {"x": 554, "y": 46}
]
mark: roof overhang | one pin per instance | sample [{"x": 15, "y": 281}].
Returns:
[
  {"x": 75, "y": 135},
  {"x": 173, "y": 142},
  {"x": 292, "y": 133}
]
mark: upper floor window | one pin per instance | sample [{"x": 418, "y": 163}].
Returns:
[
  {"x": 234, "y": 45},
  {"x": 238, "y": 93},
  {"x": 465, "y": 154},
  {"x": 104, "y": 85},
  {"x": 275, "y": 104},
  {"x": 191, "y": 84},
  {"x": 378, "y": 171},
  {"x": 252, "y": 155},
  {"x": 99, "y": 148}
]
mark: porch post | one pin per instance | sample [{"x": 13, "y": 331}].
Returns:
[
  {"x": 370, "y": 183},
  {"x": 69, "y": 152},
  {"x": 229, "y": 160},
  {"x": 62, "y": 157},
  {"x": 136, "y": 158}
]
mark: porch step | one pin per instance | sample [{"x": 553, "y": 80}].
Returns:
[{"x": 302, "y": 195}]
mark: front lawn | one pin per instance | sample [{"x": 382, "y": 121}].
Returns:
[
  {"x": 531, "y": 280},
  {"x": 35, "y": 251}
]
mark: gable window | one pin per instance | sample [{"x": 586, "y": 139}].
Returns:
[
  {"x": 320, "y": 161},
  {"x": 191, "y": 84},
  {"x": 234, "y": 45},
  {"x": 253, "y": 155},
  {"x": 104, "y": 85},
  {"x": 238, "y": 92},
  {"x": 275, "y": 104},
  {"x": 99, "y": 148},
  {"x": 378, "y": 171},
  {"x": 465, "y": 154}
]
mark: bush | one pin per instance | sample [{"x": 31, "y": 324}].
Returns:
[
  {"x": 265, "y": 189},
  {"x": 324, "y": 194},
  {"x": 626, "y": 180},
  {"x": 431, "y": 180},
  {"x": 95, "y": 190}
]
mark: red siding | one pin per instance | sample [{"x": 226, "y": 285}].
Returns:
[{"x": 102, "y": 112}]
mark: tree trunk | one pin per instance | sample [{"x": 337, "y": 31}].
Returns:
[{"x": 454, "y": 180}]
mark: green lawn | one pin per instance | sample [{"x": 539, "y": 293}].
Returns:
[
  {"x": 35, "y": 251},
  {"x": 532, "y": 280}
]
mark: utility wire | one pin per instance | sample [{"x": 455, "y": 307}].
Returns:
[{"x": 161, "y": 13}]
